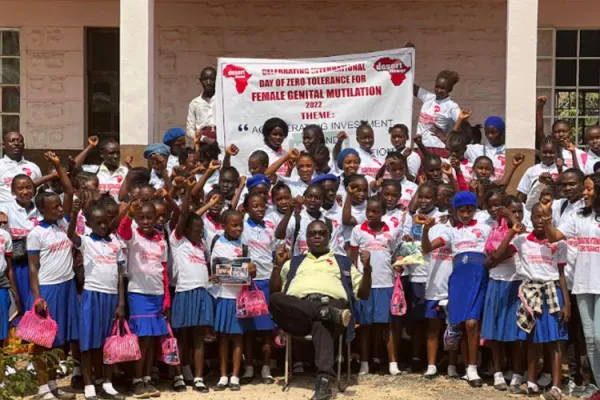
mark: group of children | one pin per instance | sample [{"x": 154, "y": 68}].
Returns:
[{"x": 95, "y": 247}]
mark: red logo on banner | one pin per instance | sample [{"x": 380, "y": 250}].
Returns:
[
  {"x": 394, "y": 67},
  {"x": 240, "y": 75}
]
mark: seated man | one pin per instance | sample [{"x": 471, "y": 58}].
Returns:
[{"x": 312, "y": 294}]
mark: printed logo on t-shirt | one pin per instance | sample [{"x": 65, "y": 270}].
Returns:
[
  {"x": 436, "y": 109},
  {"x": 477, "y": 233}
]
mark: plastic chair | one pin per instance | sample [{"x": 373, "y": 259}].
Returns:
[{"x": 342, "y": 386}]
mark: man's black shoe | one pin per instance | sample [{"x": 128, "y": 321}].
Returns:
[
  {"x": 336, "y": 315},
  {"x": 323, "y": 389}
]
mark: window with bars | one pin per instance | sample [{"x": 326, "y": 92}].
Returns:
[
  {"x": 10, "y": 81},
  {"x": 569, "y": 75}
]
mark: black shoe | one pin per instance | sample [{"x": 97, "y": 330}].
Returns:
[
  {"x": 476, "y": 383},
  {"x": 336, "y": 315},
  {"x": 199, "y": 386},
  {"x": 431, "y": 376},
  {"x": 151, "y": 390},
  {"x": 90, "y": 398},
  {"x": 502, "y": 387},
  {"x": 77, "y": 382},
  {"x": 62, "y": 395},
  {"x": 234, "y": 387},
  {"x": 220, "y": 387},
  {"x": 106, "y": 396},
  {"x": 323, "y": 389},
  {"x": 179, "y": 385},
  {"x": 139, "y": 390}
]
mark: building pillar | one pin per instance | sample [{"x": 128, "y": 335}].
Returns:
[
  {"x": 136, "y": 103},
  {"x": 521, "y": 70}
]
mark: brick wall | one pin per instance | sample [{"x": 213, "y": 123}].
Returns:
[{"x": 468, "y": 36}]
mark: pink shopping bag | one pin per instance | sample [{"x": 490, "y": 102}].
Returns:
[
  {"x": 398, "y": 303},
  {"x": 170, "y": 349},
  {"x": 120, "y": 348},
  {"x": 496, "y": 236},
  {"x": 37, "y": 329},
  {"x": 251, "y": 303}
]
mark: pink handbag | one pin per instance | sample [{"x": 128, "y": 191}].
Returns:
[
  {"x": 37, "y": 329},
  {"x": 121, "y": 348},
  {"x": 398, "y": 303},
  {"x": 251, "y": 303},
  {"x": 496, "y": 236},
  {"x": 170, "y": 350}
]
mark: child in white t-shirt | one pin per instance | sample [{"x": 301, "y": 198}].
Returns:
[
  {"x": 7, "y": 282},
  {"x": 355, "y": 204},
  {"x": 370, "y": 162},
  {"x": 373, "y": 315},
  {"x": 399, "y": 137},
  {"x": 548, "y": 156}
]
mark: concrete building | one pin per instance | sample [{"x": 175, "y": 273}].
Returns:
[{"x": 128, "y": 68}]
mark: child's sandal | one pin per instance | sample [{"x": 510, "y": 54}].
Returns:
[
  {"x": 199, "y": 386},
  {"x": 179, "y": 384}
]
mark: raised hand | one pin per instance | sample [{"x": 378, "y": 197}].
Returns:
[
  {"x": 465, "y": 114},
  {"x": 282, "y": 254},
  {"x": 518, "y": 159},
  {"x": 546, "y": 201},
  {"x": 214, "y": 165},
  {"x": 52, "y": 158},
  {"x": 546, "y": 178},
  {"x": 541, "y": 101},
  {"x": 365, "y": 257},
  {"x": 3, "y": 219},
  {"x": 232, "y": 150},
  {"x": 158, "y": 162},
  {"x": 93, "y": 141},
  {"x": 341, "y": 136},
  {"x": 447, "y": 169},
  {"x": 128, "y": 162}
]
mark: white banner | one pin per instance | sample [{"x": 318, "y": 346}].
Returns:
[{"x": 335, "y": 93}]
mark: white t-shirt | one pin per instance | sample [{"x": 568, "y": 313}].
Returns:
[
  {"x": 211, "y": 227},
  {"x": 409, "y": 189},
  {"x": 55, "y": 249},
  {"x": 101, "y": 259},
  {"x": 359, "y": 213},
  {"x": 439, "y": 264},
  {"x": 506, "y": 270},
  {"x": 145, "y": 259},
  {"x": 398, "y": 219},
  {"x": 296, "y": 185},
  {"x": 370, "y": 164},
  {"x": 172, "y": 162},
  {"x": 335, "y": 243},
  {"x": 342, "y": 190},
  {"x": 532, "y": 175},
  {"x": 9, "y": 169},
  {"x": 539, "y": 261},
  {"x": 261, "y": 245},
  {"x": 20, "y": 221},
  {"x": 108, "y": 181},
  {"x": 466, "y": 238},
  {"x": 418, "y": 273},
  {"x": 443, "y": 113},
  {"x": 496, "y": 154},
  {"x": 190, "y": 269},
  {"x": 381, "y": 245},
  {"x": 586, "y": 230},
  {"x": 592, "y": 159},
  {"x": 560, "y": 209},
  {"x": 335, "y": 215},
  {"x": 568, "y": 158},
  {"x": 274, "y": 156},
  {"x": 413, "y": 162},
  {"x": 228, "y": 249},
  {"x": 6, "y": 249},
  {"x": 156, "y": 181}
]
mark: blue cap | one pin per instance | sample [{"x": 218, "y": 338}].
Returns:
[
  {"x": 343, "y": 154},
  {"x": 496, "y": 122},
  {"x": 258, "y": 179},
  {"x": 464, "y": 198},
  {"x": 156, "y": 148},
  {"x": 324, "y": 177},
  {"x": 172, "y": 134}
]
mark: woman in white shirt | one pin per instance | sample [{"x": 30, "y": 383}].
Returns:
[
  {"x": 438, "y": 111},
  {"x": 275, "y": 131},
  {"x": 585, "y": 225}
]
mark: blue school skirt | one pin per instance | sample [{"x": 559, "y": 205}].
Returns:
[
  {"x": 96, "y": 319},
  {"x": 23, "y": 289},
  {"x": 264, "y": 323},
  {"x": 417, "y": 303},
  {"x": 146, "y": 317},
  {"x": 192, "y": 308},
  {"x": 63, "y": 305},
  {"x": 466, "y": 287},
  {"x": 500, "y": 311},
  {"x": 433, "y": 310},
  {"x": 376, "y": 309},
  {"x": 225, "y": 319},
  {"x": 4, "y": 310},
  {"x": 548, "y": 327}
]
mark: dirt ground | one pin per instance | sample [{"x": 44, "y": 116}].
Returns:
[{"x": 405, "y": 387}]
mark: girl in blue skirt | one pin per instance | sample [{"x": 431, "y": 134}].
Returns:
[
  {"x": 468, "y": 282},
  {"x": 192, "y": 310},
  {"x": 53, "y": 288},
  {"x": 148, "y": 288},
  {"x": 373, "y": 315},
  {"x": 7, "y": 282},
  {"x": 543, "y": 311},
  {"x": 103, "y": 297},
  {"x": 502, "y": 296},
  {"x": 22, "y": 216},
  {"x": 258, "y": 236},
  {"x": 226, "y": 323}
]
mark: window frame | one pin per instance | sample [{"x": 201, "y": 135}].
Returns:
[{"x": 19, "y": 85}]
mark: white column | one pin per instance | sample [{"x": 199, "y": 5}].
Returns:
[
  {"x": 136, "y": 104},
  {"x": 521, "y": 69}
]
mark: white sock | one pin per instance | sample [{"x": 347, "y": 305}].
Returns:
[
  {"x": 187, "y": 373},
  {"x": 532, "y": 385},
  {"x": 77, "y": 370},
  {"x": 223, "y": 381},
  {"x": 472, "y": 372},
  {"x": 499, "y": 378},
  {"x": 179, "y": 381},
  {"x": 90, "y": 391},
  {"x": 234, "y": 380},
  {"x": 394, "y": 369},
  {"x": 364, "y": 368},
  {"x": 52, "y": 385},
  {"x": 108, "y": 388},
  {"x": 452, "y": 371},
  {"x": 62, "y": 367},
  {"x": 10, "y": 370},
  {"x": 516, "y": 380},
  {"x": 431, "y": 370},
  {"x": 198, "y": 379},
  {"x": 43, "y": 389},
  {"x": 265, "y": 372},
  {"x": 137, "y": 380},
  {"x": 147, "y": 379},
  {"x": 248, "y": 372}
]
